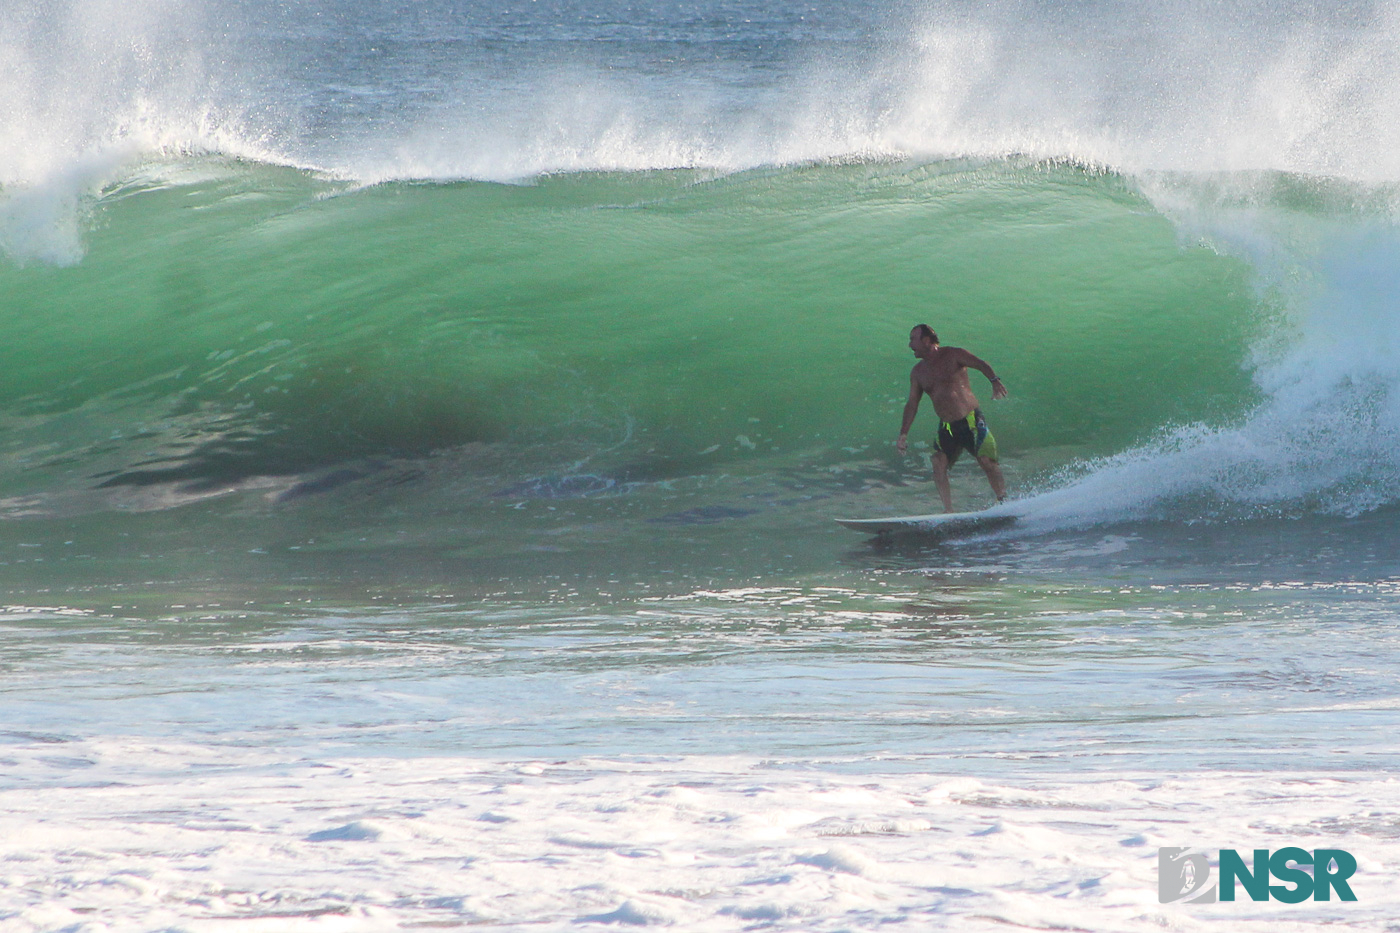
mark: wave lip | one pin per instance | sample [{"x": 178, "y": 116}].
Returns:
[{"x": 463, "y": 90}]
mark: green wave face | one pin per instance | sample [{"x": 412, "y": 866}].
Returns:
[{"x": 263, "y": 322}]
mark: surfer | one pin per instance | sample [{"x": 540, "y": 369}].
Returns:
[{"x": 941, "y": 374}]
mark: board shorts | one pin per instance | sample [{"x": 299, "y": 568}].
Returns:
[{"x": 968, "y": 434}]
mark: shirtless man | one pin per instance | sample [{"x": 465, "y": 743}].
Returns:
[{"x": 941, "y": 373}]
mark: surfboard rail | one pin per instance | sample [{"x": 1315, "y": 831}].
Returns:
[{"x": 940, "y": 522}]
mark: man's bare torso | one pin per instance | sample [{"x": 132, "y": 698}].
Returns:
[{"x": 943, "y": 377}]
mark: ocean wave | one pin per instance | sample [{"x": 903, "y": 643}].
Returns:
[
  {"x": 216, "y": 215},
  {"x": 236, "y": 319}
]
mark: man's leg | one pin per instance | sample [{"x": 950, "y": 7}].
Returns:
[
  {"x": 940, "y": 477},
  {"x": 993, "y": 471}
]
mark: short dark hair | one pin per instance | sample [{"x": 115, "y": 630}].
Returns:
[{"x": 927, "y": 333}]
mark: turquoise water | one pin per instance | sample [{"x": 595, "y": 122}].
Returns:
[{"x": 301, "y": 325}]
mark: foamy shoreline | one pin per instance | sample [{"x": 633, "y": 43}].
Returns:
[{"x": 119, "y": 835}]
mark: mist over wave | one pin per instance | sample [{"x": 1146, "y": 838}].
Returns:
[
  {"x": 452, "y": 89},
  {"x": 456, "y": 89}
]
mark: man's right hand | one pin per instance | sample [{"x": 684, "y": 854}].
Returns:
[{"x": 902, "y": 444}]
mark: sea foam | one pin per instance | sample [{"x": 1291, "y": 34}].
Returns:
[{"x": 209, "y": 838}]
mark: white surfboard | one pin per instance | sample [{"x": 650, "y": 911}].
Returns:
[{"x": 996, "y": 517}]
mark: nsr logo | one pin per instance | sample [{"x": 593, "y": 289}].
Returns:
[{"x": 1183, "y": 874}]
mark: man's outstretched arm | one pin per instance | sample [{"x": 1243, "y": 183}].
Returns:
[
  {"x": 983, "y": 367},
  {"x": 911, "y": 408}
]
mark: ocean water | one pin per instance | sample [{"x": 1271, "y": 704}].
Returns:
[{"x": 422, "y": 424}]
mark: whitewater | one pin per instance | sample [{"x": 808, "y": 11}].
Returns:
[{"x": 422, "y": 424}]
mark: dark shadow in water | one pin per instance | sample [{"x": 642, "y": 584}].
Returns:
[
  {"x": 579, "y": 486},
  {"x": 703, "y": 515},
  {"x": 208, "y": 450}
]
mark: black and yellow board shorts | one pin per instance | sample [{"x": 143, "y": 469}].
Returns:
[{"x": 969, "y": 434}]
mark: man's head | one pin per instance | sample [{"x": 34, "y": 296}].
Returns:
[{"x": 922, "y": 339}]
